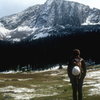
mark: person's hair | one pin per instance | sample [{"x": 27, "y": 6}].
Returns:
[{"x": 76, "y": 52}]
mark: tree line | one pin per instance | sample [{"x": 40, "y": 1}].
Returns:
[{"x": 49, "y": 51}]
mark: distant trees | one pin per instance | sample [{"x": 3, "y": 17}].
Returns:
[{"x": 55, "y": 49}]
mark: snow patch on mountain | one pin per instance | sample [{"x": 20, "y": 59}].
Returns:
[
  {"x": 18, "y": 33},
  {"x": 40, "y": 35},
  {"x": 24, "y": 28},
  {"x": 12, "y": 18},
  {"x": 16, "y": 40},
  {"x": 1, "y": 25},
  {"x": 49, "y": 2},
  {"x": 89, "y": 22},
  {"x": 4, "y": 31}
]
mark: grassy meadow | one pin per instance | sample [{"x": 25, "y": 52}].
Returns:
[{"x": 47, "y": 85}]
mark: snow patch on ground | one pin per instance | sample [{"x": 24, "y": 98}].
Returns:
[
  {"x": 50, "y": 69},
  {"x": 67, "y": 80},
  {"x": 10, "y": 72},
  {"x": 94, "y": 82},
  {"x": 2, "y": 80},
  {"x": 22, "y": 93},
  {"x": 12, "y": 89},
  {"x": 93, "y": 74},
  {"x": 37, "y": 71},
  {"x": 25, "y": 79},
  {"x": 65, "y": 66},
  {"x": 95, "y": 90}
]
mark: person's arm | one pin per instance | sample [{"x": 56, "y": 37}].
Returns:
[
  {"x": 84, "y": 67},
  {"x": 69, "y": 69}
]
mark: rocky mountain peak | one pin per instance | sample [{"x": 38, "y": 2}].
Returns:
[{"x": 40, "y": 19}]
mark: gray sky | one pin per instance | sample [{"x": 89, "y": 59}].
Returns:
[{"x": 8, "y": 7}]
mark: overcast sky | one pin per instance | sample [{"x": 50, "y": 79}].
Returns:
[{"x": 8, "y": 7}]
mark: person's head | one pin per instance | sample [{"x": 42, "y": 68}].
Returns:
[{"x": 76, "y": 52}]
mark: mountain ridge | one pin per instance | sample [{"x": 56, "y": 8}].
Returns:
[{"x": 39, "y": 20}]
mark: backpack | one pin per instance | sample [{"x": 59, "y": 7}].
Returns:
[{"x": 77, "y": 62}]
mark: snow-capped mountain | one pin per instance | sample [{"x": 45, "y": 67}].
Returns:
[{"x": 37, "y": 21}]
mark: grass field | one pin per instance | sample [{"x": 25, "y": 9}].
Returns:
[{"x": 47, "y": 85}]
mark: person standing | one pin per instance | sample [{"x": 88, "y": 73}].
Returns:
[{"x": 76, "y": 72}]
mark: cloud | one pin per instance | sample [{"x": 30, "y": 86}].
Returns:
[
  {"x": 8, "y": 7},
  {"x": 91, "y": 3}
]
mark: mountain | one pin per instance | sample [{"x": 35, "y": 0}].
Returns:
[{"x": 45, "y": 20}]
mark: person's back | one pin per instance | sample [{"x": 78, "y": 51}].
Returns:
[{"x": 76, "y": 80}]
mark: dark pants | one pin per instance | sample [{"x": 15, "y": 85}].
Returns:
[{"x": 77, "y": 84}]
